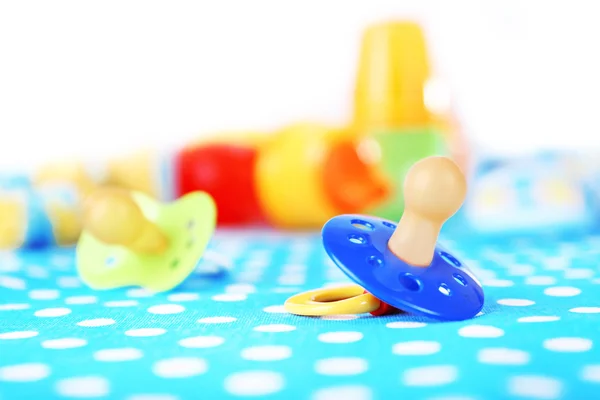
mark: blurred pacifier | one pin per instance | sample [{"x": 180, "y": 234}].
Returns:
[
  {"x": 400, "y": 266},
  {"x": 130, "y": 239}
]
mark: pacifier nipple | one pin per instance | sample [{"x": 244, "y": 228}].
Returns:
[
  {"x": 112, "y": 216},
  {"x": 434, "y": 190}
]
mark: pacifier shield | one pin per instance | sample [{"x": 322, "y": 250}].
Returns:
[
  {"x": 445, "y": 290},
  {"x": 188, "y": 223}
]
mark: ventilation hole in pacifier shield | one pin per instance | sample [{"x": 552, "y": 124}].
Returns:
[
  {"x": 174, "y": 264},
  {"x": 449, "y": 259},
  {"x": 444, "y": 289},
  {"x": 357, "y": 239},
  {"x": 374, "y": 261},
  {"x": 363, "y": 225},
  {"x": 389, "y": 225},
  {"x": 410, "y": 283},
  {"x": 460, "y": 279},
  {"x": 110, "y": 261}
]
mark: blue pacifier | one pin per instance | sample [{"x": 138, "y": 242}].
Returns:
[{"x": 402, "y": 265}]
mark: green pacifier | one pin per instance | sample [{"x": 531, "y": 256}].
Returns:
[{"x": 130, "y": 239}]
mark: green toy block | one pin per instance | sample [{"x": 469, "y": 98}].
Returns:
[{"x": 400, "y": 149}]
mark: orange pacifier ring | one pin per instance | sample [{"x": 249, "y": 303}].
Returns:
[{"x": 351, "y": 299}]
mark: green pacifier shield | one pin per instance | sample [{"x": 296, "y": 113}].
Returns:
[
  {"x": 400, "y": 149},
  {"x": 188, "y": 223}
]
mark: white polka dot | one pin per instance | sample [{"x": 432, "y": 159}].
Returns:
[
  {"x": 275, "y": 328},
  {"x": 341, "y": 366},
  {"x": 340, "y": 317},
  {"x": 340, "y": 337},
  {"x": 81, "y": 300},
  {"x": 436, "y": 375},
  {"x": 166, "y": 309},
  {"x": 405, "y": 324},
  {"x": 568, "y": 344},
  {"x": 480, "y": 331},
  {"x": 498, "y": 283},
  {"x": 117, "y": 355},
  {"x": 121, "y": 303},
  {"x": 278, "y": 309},
  {"x": 562, "y": 291},
  {"x": 344, "y": 393},
  {"x": 217, "y": 320},
  {"x": 90, "y": 386},
  {"x": 175, "y": 297},
  {"x": 556, "y": 263},
  {"x": 585, "y": 310},
  {"x": 68, "y": 282},
  {"x": 24, "y": 372},
  {"x": 9, "y": 262},
  {"x": 18, "y": 335},
  {"x": 515, "y": 302},
  {"x": 91, "y": 323},
  {"x": 536, "y": 387},
  {"x": 37, "y": 272},
  {"x": 254, "y": 383},
  {"x": 266, "y": 353},
  {"x": 521, "y": 270},
  {"x": 540, "y": 280},
  {"x": 578, "y": 273},
  {"x": 591, "y": 373},
  {"x": 200, "y": 342},
  {"x": 145, "y": 332},
  {"x": 416, "y": 348},
  {"x": 65, "y": 343},
  {"x": 539, "y": 318},
  {"x": 230, "y": 297},
  {"x": 44, "y": 294},
  {"x": 53, "y": 312},
  {"x": 240, "y": 288},
  {"x": 503, "y": 356},
  {"x": 139, "y": 292},
  {"x": 182, "y": 367},
  {"x": 11, "y": 282},
  {"x": 154, "y": 396},
  {"x": 14, "y": 307}
]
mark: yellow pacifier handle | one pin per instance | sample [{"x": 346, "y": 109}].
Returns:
[
  {"x": 112, "y": 216},
  {"x": 349, "y": 299}
]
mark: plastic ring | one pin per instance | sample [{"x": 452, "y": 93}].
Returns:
[{"x": 349, "y": 299}]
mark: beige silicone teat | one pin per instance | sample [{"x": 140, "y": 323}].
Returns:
[
  {"x": 434, "y": 190},
  {"x": 111, "y": 215}
]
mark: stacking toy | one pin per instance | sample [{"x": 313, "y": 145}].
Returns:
[
  {"x": 289, "y": 175},
  {"x": 394, "y": 153},
  {"x": 226, "y": 172},
  {"x": 131, "y": 239},
  {"x": 403, "y": 265}
]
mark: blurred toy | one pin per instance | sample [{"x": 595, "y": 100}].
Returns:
[
  {"x": 527, "y": 194},
  {"x": 131, "y": 239},
  {"x": 226, "y": 171},
  {"x": 401, "y": 266},
  {"x": 401, "y": 108},
  {"x": 39, "y": 212},
  {"x": 301, "y": 182},
  {"x": 395, "y": 153}
]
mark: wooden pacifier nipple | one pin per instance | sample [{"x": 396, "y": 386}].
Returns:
[
  {"x": 111, "y": 215},
  {"x": 434, "y": 190}
]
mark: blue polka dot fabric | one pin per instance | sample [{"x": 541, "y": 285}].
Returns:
[{"x": 229, "y": 336}]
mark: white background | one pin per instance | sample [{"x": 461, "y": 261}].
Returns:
[{"x": 101, "y": 77}]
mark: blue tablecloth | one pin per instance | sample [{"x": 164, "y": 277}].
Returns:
[{"x": 229, "y": 337}]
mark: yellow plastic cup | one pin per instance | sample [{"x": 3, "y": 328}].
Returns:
[{"x": 392, "y": 73}]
